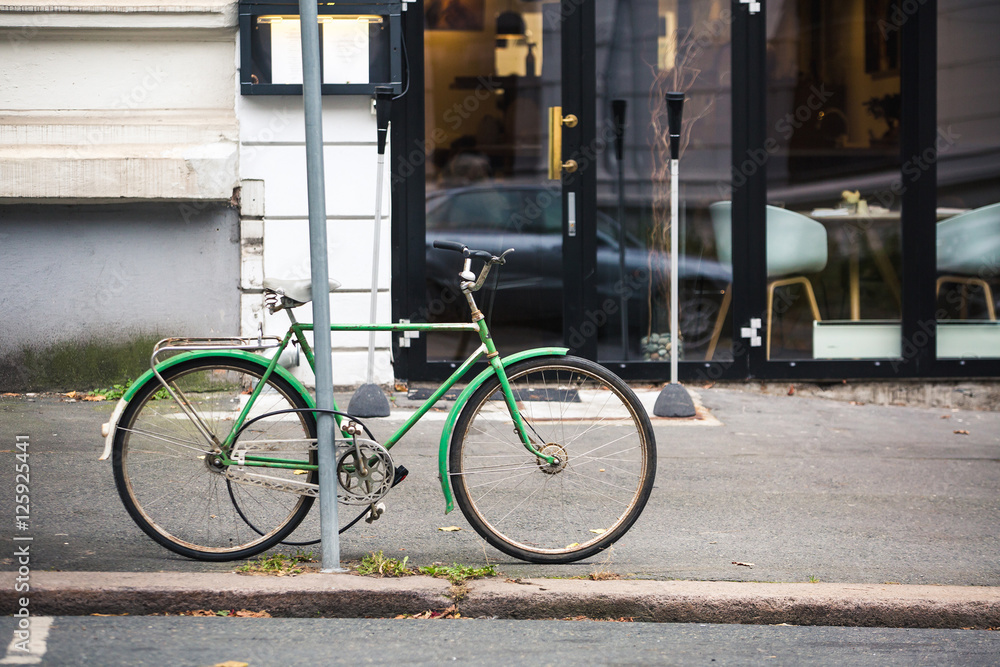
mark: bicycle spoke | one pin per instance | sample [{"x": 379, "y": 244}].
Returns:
[
  {"x": 601, "y": 472},
  {"x": 177, "y": 492}
]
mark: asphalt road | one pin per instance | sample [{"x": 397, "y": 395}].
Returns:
[
  {"x": 803, "y": 489},
  {"x": 261, "y": 642}
]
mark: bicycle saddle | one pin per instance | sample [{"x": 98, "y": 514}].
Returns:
[{"x": 297, "y": 290}]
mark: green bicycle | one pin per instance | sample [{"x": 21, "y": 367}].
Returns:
[{"x": 550, "y": 457}]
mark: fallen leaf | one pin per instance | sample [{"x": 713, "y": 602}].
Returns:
[
  {"x": 229, "y": 613},
  {"x": 598, "y": 531},
  {"x": 601, "y": 470},
  {"x": 70, "y": 394},
  {"x": 93, "y": 397},
  {"x": 300, "y": 472},
  {"x": 8, "y": 393},
  {"x": 570, "y": 546},
  {"x": 736, "y": 562},
  {"x": 450, "y": 529},
  {"x": 945, "y": 416},
  {"x": 961, "y": 431},
  {"x": 450, "y": 612},
  {"x": 708, "y": 386},
  {"x": 231, "y": 663},
  {"x": 791, "y": 390}
]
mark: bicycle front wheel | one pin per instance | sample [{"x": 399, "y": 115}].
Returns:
[
  {"x": 586, "y": 417},
  {"x": 173, "y": 484}
]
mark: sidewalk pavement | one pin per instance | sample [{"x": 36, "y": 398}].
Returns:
[{"x": 893, "y": 509}]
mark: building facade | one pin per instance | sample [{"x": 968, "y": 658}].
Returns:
[{"x": 839, "y": 166}]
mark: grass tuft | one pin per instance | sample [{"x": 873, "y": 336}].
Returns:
[
  {"x": 377, "y": 564},
  {"x": 278, "y": 565},
  {"x": 458, "y": 574}
]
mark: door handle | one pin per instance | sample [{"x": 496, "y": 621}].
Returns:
[{"x": 556, "y": 121}]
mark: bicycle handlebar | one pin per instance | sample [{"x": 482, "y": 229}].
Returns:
[
  {"x": 450, "y": 245},
  {"x": 455, "y": 246},
  {"x": 468, "y": 279}
]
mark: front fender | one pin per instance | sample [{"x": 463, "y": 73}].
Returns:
[
  {"x": 456, "y": 410},
  {"x": 108, "y": 429}
]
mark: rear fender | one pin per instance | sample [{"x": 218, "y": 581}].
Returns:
[{"x": 108, "y": 429}]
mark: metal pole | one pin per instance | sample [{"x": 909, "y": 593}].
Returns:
[
  {"x": 618, "y": 118},
  {"x": 675, "y": 107},
  {"x": 369, "y": 400},
  {"x": 674, "y": 400},
  {"x": 383, "y": 100},
  {"x": 675, "y": 342},
  {"x": 373, "y": 309},
  {"x": 316, "y": 181}
]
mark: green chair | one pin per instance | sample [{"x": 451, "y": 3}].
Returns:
[
  {"x": 968, "y": 245},
  {"x": 796, "y": 245}
]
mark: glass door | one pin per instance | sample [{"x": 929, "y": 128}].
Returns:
[
  {"x": 495, "y": 137},
  {"x": 645, "y": 49},
  {"x": 833, "y": 214}
]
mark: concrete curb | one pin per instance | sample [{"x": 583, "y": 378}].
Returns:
[
  {"x": 345, "y": 595},
  {"x": 302, "y": 596},
  {"x": 736, "y": 602}
]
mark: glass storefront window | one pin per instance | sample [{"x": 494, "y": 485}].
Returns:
[
  {"x": 968, "y": 187},
  {"x": 833, "y": 220},
  {"x": 644, "y": 50}
]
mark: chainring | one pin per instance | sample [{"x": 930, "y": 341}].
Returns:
[{"x": 364, "y": 472}]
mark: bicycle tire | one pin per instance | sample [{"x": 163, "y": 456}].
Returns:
[
  {"x": 162, "y": 463},
  {"x": 588, "y": 417}
]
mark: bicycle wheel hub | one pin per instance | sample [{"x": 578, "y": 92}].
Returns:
[
  {"x": 214, "y": 463},
  {"x": 561, "y": 457}
]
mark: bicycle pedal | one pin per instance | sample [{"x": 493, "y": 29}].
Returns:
[
  {"x": 375, "y": 512},
  {"x": 399, "y": 475}
]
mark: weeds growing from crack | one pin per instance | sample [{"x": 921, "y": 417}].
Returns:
[
  {"x": 278, "y": 565},
  {"x": 377, "y": 564}
]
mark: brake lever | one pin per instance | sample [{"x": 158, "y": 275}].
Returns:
[{"x": 478, "y": 285}]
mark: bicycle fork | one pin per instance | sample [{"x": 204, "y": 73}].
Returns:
[{"x": 493, "y": 357}]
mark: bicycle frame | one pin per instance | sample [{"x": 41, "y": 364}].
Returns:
[{"x": 297, "y": 333}]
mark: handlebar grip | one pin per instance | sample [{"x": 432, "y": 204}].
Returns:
[
  {"x": 450, "y": 245},
  {"x": 481, "y": 254}
]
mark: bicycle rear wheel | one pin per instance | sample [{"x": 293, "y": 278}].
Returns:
[
  {"x": 166, "y": 470},
  {"x": 589, "y": 419}
]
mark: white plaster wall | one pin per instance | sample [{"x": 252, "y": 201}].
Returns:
[
  {"x": 272, "y": 150},
  {"x": 118, "y": 100},
  {"x": 110, "y": 69}
]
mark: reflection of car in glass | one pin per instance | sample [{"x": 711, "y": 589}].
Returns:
[{"x": 529, "y": 219}]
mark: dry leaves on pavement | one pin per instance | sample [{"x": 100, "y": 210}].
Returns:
[{"x": 450, "y": 612}]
